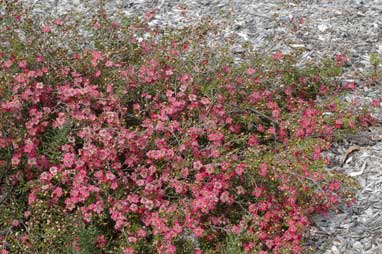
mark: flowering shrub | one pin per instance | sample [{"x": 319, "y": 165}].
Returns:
[{"x": 149, "y": 141}]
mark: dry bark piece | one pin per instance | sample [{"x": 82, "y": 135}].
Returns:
[
  {"x": 361, "y": 140},
  {"x": 349, "y": 151}
]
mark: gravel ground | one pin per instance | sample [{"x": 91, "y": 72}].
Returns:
[{"x": 318, "y": 29}]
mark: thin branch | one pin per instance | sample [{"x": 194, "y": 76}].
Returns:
[{"x": 261, "y": 114}]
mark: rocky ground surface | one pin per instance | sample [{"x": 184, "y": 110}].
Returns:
[{"x": 317, "y": 29}]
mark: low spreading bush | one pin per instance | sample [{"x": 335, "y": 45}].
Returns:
[{"x": 144, "y": 140}]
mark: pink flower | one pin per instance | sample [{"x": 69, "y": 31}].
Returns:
[
  {"x": 119, "y": 224},
  {"x": 262, "y": 206},
  {"x": 96, "y": 55},
  {"x": 236, "y": 229},
  {"x": 149, "y": 15},
  {"x": 168, "y": 72},
  {"x": 376, "y": 102},
  {"x": 316, "y": 154},
  {"x": 22, "y": 64},
  {"x": 252, "y": 140},
  {"x": 205, "y": 101},
  {"x": 46, "y": 29},
  {"x": 271, "y": 131},
  {"x": 210, "y": 169},
  {"x": 97, "y": 26},
  {"x": 338, "y": 123},
  {"x": 277, "y": 55},
  {"x": 303, "y": 80},
  {"x": 340, "y": 59},
  {"x": 40, "y": 85},
  {"x": 109, "y": 63},
  {"x": 32, "y": 198},
  {"x": 226, "y": 198},
  {"x": 68, "y": 159},
  {"x": 132, "y": 239},
  {"x": 15, "y": 161},
  {"x": 53, "y": 171},
  {"x": 97, "y": 73},
  {"x": 184, "y": 172},
  {"x": 15, "y": 223},
  {"x": 58, "y": 22},
  {"x": 269, "y": 243},
  {"x": 110, "y": 176},
  {"x": 57, "y": 192},
  {"x": 8, "y": 63},
  {"x": 333, "y": 199},
  {"x": 215, "y": 153},
  {"x": 239, "y": 169},
  {"x": 300, "y": 133},
  {"x": 140, "y": 182},
  {"x": 258, "y": 192},
  {"x": 27, "y": 214},
  {"x": 250, "y": 71},
  {"x": 198, "y": 231},
  {"x": 197, "y": 165},
  {"x": 186, "y": 79},
  {"x": 133, "y": 207},
  {"x": 171, "y": 249},
  {"x": 128, "y": 250},
  {"x": 276, "y": 113},
  {"x": 263, "y": 169},
  {"x": 60, "y": 120},
  {"x": 192, "y": 97},
  {"x": 334, "y": 185},
  {"x": 349, "y": 86},
  {"x": 39, "y": 58},
  {"x": 98, "y": 207},
  {"x": 141, "y": 233},
  {"x": 101, "y": 241},
  {"x": 216, "y": 137},
  {"x": 240, "y": 190},
  {"x": 218, "y": 185}
]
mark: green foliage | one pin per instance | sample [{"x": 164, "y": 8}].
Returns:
[
  {"x": 233, "y": 244},
  {"x": 375, "y": 75},
  {"x": 86, "y": 237},
  {"x": 374, "y": 59},
  {"x": 53, "y": 140}
]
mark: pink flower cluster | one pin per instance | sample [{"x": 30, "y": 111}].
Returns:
[{"x": 160, "y": 156}]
